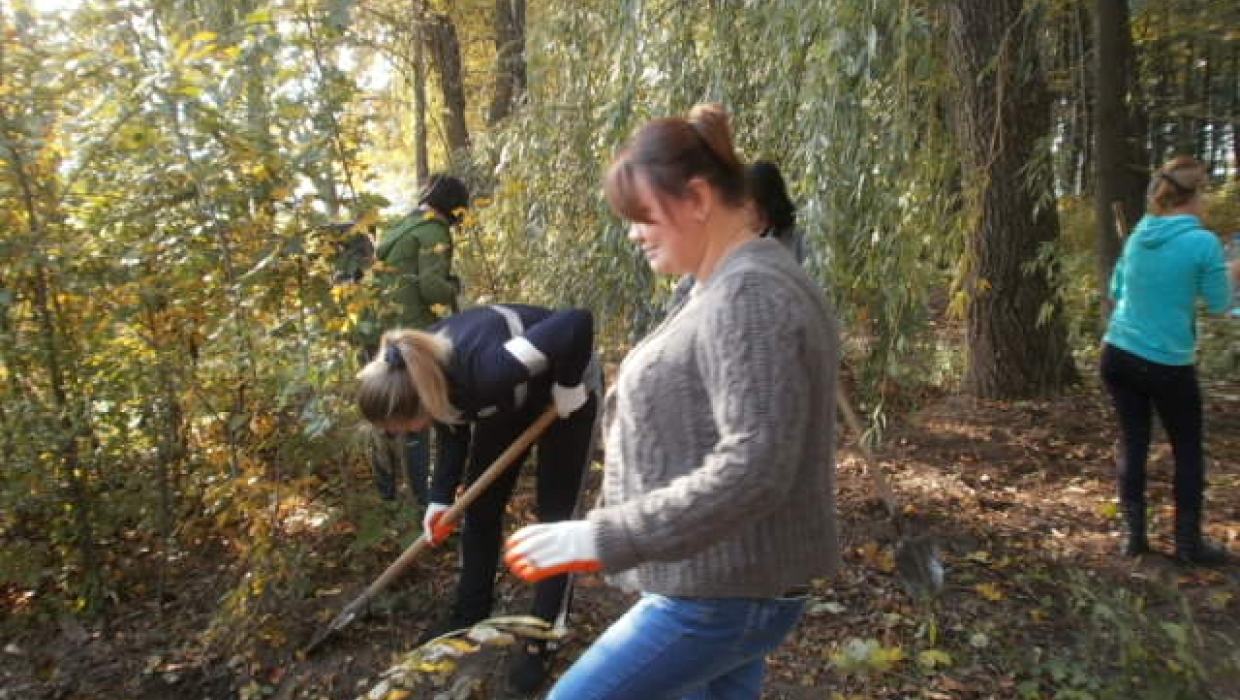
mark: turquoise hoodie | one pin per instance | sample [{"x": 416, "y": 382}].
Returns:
[{"x": 1168, "y": 262}]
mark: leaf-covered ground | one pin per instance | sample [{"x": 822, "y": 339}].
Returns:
[{"x": 1018, "y": 496}]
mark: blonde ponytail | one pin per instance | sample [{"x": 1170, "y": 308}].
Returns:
[{"x": 406, "y": 379}]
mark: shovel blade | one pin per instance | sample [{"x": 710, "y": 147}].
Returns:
[
  {"x": 918, "y": 567},
  {"x": 338, "y": 623}
]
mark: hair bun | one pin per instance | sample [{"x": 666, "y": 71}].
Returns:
[{"x": 713, "y": 123}]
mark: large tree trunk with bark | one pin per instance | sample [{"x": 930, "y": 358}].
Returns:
[
  {"x": 509, "y": 58},
  {"x": 1017, "y": 341},
  {"x": 445, "y": 51},
  {"x": 1121, "y": 159}
]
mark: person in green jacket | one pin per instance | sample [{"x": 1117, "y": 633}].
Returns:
[
  {"x": 416, "y": 253},
  {"x": 415, "y": 280}
]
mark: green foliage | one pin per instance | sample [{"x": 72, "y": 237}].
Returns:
[
  {"x": 1123, "y": 651},
  {"x": 175, "y": 360},
  {"x": 833, "y": 91},
  {"x": 170, "y": 347}
]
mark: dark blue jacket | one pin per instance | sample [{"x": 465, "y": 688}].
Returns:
[{"x": 491, "y": 373}]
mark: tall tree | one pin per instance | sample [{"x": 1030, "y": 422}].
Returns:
[
  {"x": 445, "y": 51},
  {"x": 1121, "y": 159},
  {"x": 420, "y": 151},
  {"x": 509, "y": 25},
  {"x": 1235, "y": 110},
  {"x": 1017, "y": 340}
]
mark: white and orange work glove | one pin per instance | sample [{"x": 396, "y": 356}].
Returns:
[
  {"x": 436, "y": 531},
  {"x": 536, "y": 552},
  {"x": 568, "y": 399}
]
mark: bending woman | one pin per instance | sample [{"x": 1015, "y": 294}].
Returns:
[{"x": 493, "y": 369}]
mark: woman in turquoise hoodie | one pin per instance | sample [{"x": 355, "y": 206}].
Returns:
[{"x": 1150, "y": 349}]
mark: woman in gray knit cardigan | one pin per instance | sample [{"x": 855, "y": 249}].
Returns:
[{"x": 718, "y": 500}]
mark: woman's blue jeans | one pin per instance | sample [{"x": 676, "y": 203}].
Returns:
[{"x": 683, "y": 649}]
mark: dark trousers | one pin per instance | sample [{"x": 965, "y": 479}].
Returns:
[
  {"x": 1138, "y": 387},
  {"x": 416, "y": 458},
  {"x": 562, "y": 455},
  {"x": 390, "y": 452}
]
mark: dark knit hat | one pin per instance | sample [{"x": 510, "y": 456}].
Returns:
[{"x": 446, "y": 195}]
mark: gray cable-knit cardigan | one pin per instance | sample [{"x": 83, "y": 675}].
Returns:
[{"x": 720, "y": 472}]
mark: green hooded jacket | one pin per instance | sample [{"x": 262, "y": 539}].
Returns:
[{"x": 416, "y": 253}]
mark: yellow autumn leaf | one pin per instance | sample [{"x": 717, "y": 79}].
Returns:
[
  {"x": 980, "y": 557},
  {"x": 934, "y": 658},
  {"x": 989, "y": 591},
  {"x": 878, "y": 557},
  {"x": 886, "y": 657},
  {"x": 1219, "y": 600},
  {"x": 444, "y": 666},
  {"x": 397, "y": 694},
  {"x": 460, "y": 645}
]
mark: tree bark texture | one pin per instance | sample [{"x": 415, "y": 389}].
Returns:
[
  {"x": 1235, "y": 111},
  {"x": 1017, "y": 341},
  {"x": 509, "y": 58},
  {"x": 1121, "y": 160},
  {"x": 420, "y": 150},
  {"x": 445, "y": 51},
  {"x": 1085, "y": 85}
]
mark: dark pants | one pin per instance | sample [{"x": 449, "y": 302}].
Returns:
[
  {"x": 563, "y": 452},
  {"x": 1136, "y": 386},
  {"x": 416, "y": 458}
]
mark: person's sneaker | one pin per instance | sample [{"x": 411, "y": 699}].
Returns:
[{"x": 527, "y": 667}]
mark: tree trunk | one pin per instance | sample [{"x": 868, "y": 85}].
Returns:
[
  {"x": 419, "y": 108},
  {"x": 1186, "y": 126},
  {"x": 1159, "y": 117},
  {"x": 1121, "y": 172},
  {"x": 1202, "y": 126},
  {"x": 446, "y": 57},
  {"x": 1084, "y": 98},
  {"x": 1235, "y": 111},
  {"x": 509, "y": 58},
  {"x": 1017, "y": 342}
]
